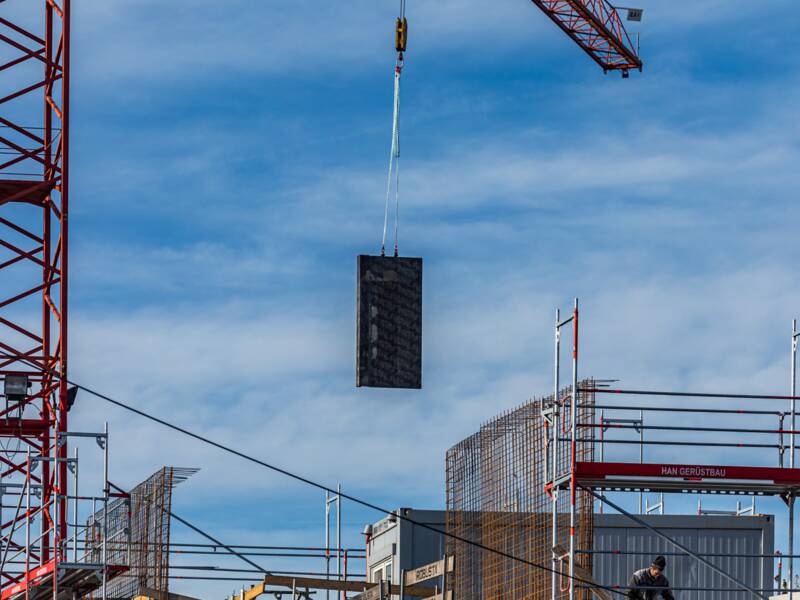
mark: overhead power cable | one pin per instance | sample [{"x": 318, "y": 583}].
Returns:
[
  {"x": 344, "y": 495},
  {"x": 320, "y": 486},
  {"x": 196, "y": 529}
]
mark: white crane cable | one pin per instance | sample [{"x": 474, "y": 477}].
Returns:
[
  {"x": 394, "y": 165},
  {"x": 394, "y": 153}
]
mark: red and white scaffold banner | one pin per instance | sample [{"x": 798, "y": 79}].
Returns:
[
  {"x": 603, "y": 470},
  {"x": 31, "y": 578}
]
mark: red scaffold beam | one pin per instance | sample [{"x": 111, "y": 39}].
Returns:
[
  {"x": 678, "y": 477},
  {"x": 77, "y": 577},
  {"x": 596, "y": 27},
  {"x": 691, "y": 472},
  {"x": 30, "y": 579}
]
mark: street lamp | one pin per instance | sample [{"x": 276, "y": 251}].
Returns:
[{"x": 15, "y": 388}]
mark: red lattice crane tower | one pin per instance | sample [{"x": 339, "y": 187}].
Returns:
[
  {"x": 34, "y": 158},
  {"x": 595, "y": 25}
]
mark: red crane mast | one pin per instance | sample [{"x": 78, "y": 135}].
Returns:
[{"x": 34, "y": 155}]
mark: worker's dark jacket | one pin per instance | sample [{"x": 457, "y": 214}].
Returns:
[{"x": 641, "y": 580}]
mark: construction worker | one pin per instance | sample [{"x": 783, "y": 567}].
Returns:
[{"x": 650, "y": 583}]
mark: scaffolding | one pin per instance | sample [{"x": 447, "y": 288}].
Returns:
[
  {"x": 38, "y": 558},
  {"x": 526, "y": 484},
  {"x": 680, "y": 432}
]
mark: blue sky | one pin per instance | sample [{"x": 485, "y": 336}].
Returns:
[{"x": 228, "y": 166}]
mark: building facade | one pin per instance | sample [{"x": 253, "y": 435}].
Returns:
[{"x": 620, "y": 546}]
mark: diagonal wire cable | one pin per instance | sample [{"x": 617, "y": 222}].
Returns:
[
  {"x": 588, "y": 583},
  {"x": 320, "y": 486},
  {"x": 203, "y": 533}
]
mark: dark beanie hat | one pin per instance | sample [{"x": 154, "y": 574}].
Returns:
[{"x": 660, "y": 562}]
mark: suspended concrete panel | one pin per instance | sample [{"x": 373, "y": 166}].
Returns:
[{"x": 389, "y": 322}]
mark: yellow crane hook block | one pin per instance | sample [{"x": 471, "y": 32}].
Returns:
[{"x": 401, "y": 34}]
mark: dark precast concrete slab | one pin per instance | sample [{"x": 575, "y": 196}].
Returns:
[{"x": 389, "y": 322}]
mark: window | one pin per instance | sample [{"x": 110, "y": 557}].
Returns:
[{"x": 381, "y": 572}]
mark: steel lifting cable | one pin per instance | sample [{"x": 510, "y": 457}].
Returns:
[{"x": 401, "y": 37}]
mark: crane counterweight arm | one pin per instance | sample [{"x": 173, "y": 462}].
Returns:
[{"x": 596, "y": 27}]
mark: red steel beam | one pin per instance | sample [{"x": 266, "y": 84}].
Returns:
[
  {"x": 596, "y": 27},
  {"x": 696, "y": 472}
]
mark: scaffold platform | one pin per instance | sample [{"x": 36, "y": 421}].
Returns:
[
  {"x": 714, "y": 479},
  {"x": 73, "y": 578}
]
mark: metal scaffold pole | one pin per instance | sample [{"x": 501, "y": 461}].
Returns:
[
  {"x": 106, "y": 494},
  {"x": 327, "y": 541},
  {"x": 573, "y": 413},
  {"x": 339, "y": 535},
  {"x": 790, "y": 499},
  {"x": 641, "y": 456},
  {"x": 793, "y": 389},
  {"x": 554, "y": 446},
  {"x": 27, "y": 523},
  {"x": 75, "y": 509}
]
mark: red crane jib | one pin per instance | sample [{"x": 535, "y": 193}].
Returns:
[{"x": 596, "y": 27}]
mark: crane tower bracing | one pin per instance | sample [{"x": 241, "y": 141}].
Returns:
[
  {"x": 597, "y": 28},
  {"x": 33, "y": 267}
]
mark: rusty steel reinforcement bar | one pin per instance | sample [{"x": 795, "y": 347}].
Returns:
[
  {"x": 687, "y": 394},
  {"x": 677, "y": 544}
]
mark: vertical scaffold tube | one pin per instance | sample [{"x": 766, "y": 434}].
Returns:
[
  {"x": 328, "y": 542},
  {"x": 790, "y": 501},
  {"x": 641, "y": 455},
  {"x": 106, "y": 496},
  {"x": 793, "y": 404},
  {"x": 573, "y": 413},
  {"x": 75, "y": 509},
  {"x": 554, "y": 457},
  {"x": 602, "y": 449},
  {"x": 339, "y": 535},
  {"x": 27, "y": 524},
  {"x": 791, "y": 544}
]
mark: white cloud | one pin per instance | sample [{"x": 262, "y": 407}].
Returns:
[{"x": 675, "y": 231}]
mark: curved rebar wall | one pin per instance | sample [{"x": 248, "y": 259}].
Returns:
[
  {"x": 496, "y": 496},
  {"x": 139, "y": 535}
]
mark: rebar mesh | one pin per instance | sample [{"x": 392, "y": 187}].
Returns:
[
  {"x": 496, "y": 496},
  {"x": 138, "y": 536}
]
